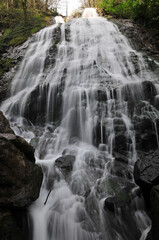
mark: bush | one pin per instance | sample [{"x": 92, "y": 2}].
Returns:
[{"x": 144, "y": 11}]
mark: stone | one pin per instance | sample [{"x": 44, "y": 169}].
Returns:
[
  {"x": 154, "y": 203},
  {"x": 146, "y": 173},
  {"x": 65, "y": 164},
  {"x": 20, "y": 179},
  {"x": 121, "y": 199},
  {"x": 9, "y": 229},
  {"x": 4, "y": 125},
  {"x": 120, "y": 157}
]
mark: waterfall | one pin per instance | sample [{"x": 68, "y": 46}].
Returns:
[
  {"x": 75, "y": 98},
  {"x": 90, "y": 12}
]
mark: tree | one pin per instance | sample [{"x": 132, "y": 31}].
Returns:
[{"x": 24, "y": 6}]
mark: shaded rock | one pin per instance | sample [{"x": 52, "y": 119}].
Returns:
[
  {"x": 36, "y": 108},
  {"x": 120, "y": 157},
  {"x": 20, "y": 179},
  {"x": 149, "y": 235},
  {"x": 65, "y": 164},
  {"x": 146, "y": 173},
  {"x": 4, "y": 125},
  {"x": 9, "y": 229},
  {"x": 154, "y": 203},
  {"x": 121, "y": 199},
  {"x": 146, "y": 138},
  {"x": 24, "y": 147},
  {"x": 68, "y": 151},
  {"x": 21, "y": 144}
]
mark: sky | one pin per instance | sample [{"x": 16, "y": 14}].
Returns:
[{"x": 71, "y": 6}]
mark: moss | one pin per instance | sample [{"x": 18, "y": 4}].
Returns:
[
  {"x": 17, "y": 41},
  {"x": 16, "y": 32},
  {"x": 112, "y": 185},
  {"x": 5, "y": 65},
  {"x": 123, "y": 196}
]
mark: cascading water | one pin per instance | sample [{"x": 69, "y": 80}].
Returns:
[{"x": 70, "y": 99}]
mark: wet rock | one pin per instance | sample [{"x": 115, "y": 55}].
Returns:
[
  {"x": 68, "y": 151},
  {"x": 119, "y": 207},
  {"x": 120, "y": 157},
  {"x": 145, "y": 134},
  {"x": 9, "y": 229},
  {"x": 65, "y": 164},
  {"x": 149, "y": 235},
  {"x": 37, "y": 105},
  {"x": 154, "y": 203},
  {"x": 121, "y": 143},
  {"x": 121, "y": 199},
  {"x": 146, "y": 173},
  {"x": 15, "y": 54},
  {"x": 149, "y": 90},
  {"x": 7, "y": 133},
  {"x": 20, "y": 178},
  {"x": 140, "y": 38},
  {"x": 51, "y": 56},
  {"x": 136, "y": 92}
]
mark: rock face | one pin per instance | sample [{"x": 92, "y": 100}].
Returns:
[
  {"x": 154, "y": 202},
  {"x": 20, "y": 179},
  {"x": 146, "y": 173},
  {"x": 140, "y": 37}
]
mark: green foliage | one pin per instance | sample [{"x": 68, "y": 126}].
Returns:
[
  {"x": 5, "y": 65},
  {"x": 15, "y": 30},
  {"x": 144, "y": 11}
]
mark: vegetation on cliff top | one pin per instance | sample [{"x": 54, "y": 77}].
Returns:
[
  {"x": 143, "y": 11},
  {"x": 19, "y": 19}
]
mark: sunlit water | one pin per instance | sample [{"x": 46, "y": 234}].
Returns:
[{"x": 65, "y": 99}]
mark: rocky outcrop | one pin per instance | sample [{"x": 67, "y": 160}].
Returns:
[
  {"x": 139, "y": 36},
  {"x": 20, "y": 179},
  {"x": 15, "y": 54},
  {"x": 146, "y": 174},
  {"x": 154, "y": 203}
]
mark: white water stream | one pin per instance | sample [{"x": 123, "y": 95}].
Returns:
[{"x": 65, "y": 99}]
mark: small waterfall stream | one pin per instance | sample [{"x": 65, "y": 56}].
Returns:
[{"x": 75, "y": 98}]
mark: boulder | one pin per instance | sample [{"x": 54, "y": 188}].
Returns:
[
  {"x": 146, "y": 173},
  {"x": 121, "y": 199},
  {"x": 20, "y": 179},
  {"x": 154, "y": 203},
  {"x": 65, "y": 164},
  {"x": 4, "y": 125},
  {"x": 9, "y": 229}
]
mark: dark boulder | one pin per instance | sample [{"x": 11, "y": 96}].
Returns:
[
  {"x": 4, "y": 125},
  {"x": 121, "y": 157},
  {"x": 154, "y": 203},
  {"x": 9, "y": 229},
  {"x": 20, "y": 179},
  {"x": 146, "y": 173},
  {"x": 65, "y": 164},
  {"x": 121, "y": 199}
]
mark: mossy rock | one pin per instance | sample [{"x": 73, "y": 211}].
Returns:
[{"x": 17, "y": 41}]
